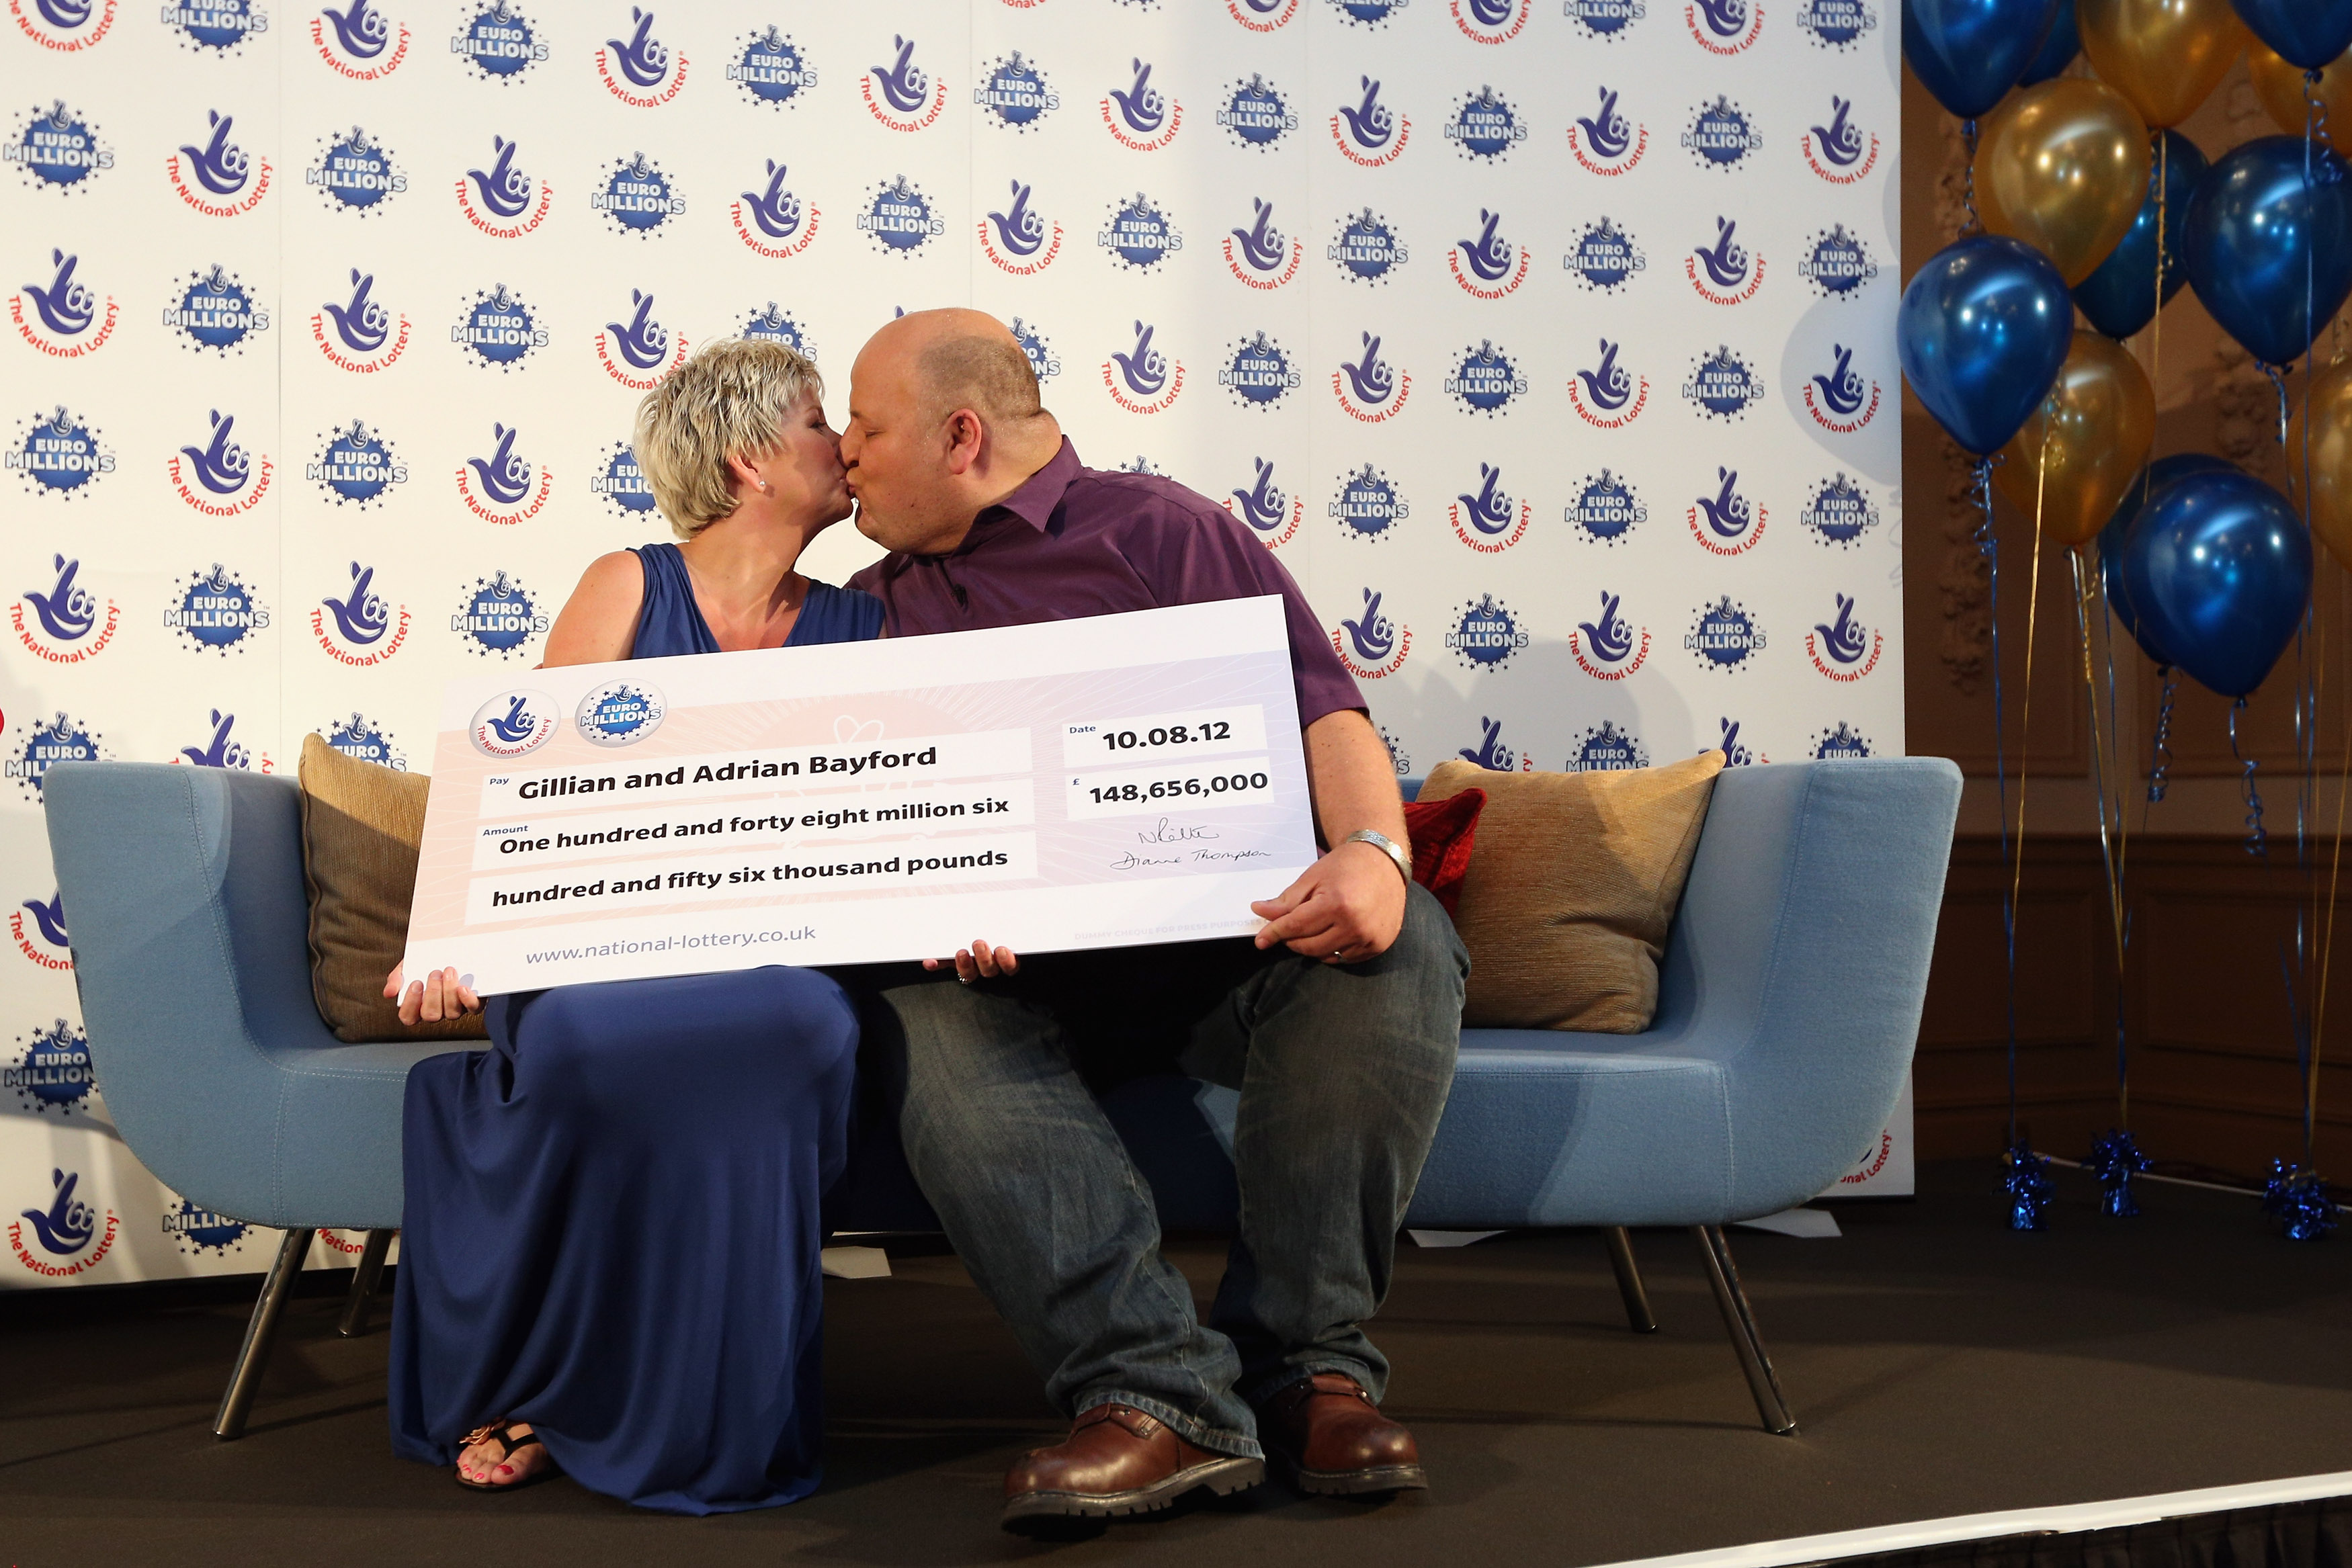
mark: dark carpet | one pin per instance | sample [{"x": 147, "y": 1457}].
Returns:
[{"x": 1937, "y": 1365}]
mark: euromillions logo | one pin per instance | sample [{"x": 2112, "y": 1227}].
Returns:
[
  {"x": 640, "y": 70},
  {"x": 69, "y": 318},
  {"x": 1607, "y": 395},
  {"x": 1255, "y": 113},
  {"x": 1725, "y": 26},
  {"x": 214, "y": 310},
  {"x": 1840, "y": 152},
  {"x": 1486, "y": 265},
  {"x": 1606, "y": 509},
  {"x": 52, "y": 1070},
  {"x": 777, "y": 325},
  {"x": 501, "y": 487},
  {"x": 1607, "y": 20},
  {"x": 199, "y": 1231},
  {"x": 897, "y": 218},
  {"x": 58, "y": 149},
  {"x": 58, "y": 454},
  {"x": 1606, "y": 750},
  {"x": 216, "y": 27},
  {"x": 515, "y": 723},
  {"x": 60, "y": 739},
  {"x": 1837, "y": 263},
  {"x": 1607, "y": 141},
  {"x": 1486, "y": 633},
  {"x": 1271, "y": 513},
  {"x": 1727, "y": 523},
  {"x": 1369, "y": 506},
  {"x": 64, "y": 1230},
  {"x": 1485, "y": 128},
  {"x": 639, "y": 352},
  {"x": 367, "y": 627},
  {"x": 1490, "y": 753},
  {"x": 1259, "y": 372},
  {"x": 1491, "y": 21},
  {"x": 1735, "y": 753},
  {"x": 363, "y": 739},
  {"x": 1835, "y": 24},
  {"x": 366, "y": 337},
  {"x": 1372, "y": 645},
  {"x": 1721, "y": 135},
  {"x": 1489, "y": 521},
  {"x": 901, "y": 95},
  {"x": 498, "y": 617},
  {"x": 1369, "y": 134},
  {"x": 1843, "y": 744},
  {"x": 499, "y": 329},
  {"x": 622, "y": 483},
  {"x": 42, "y": 939},
  {"x": 1033, "y": 343},
  {"x": 637, "y": 196},
  {"x": 216, "y": 611},
  {"x": 1261, "y": 254},
  {"x": 220, "y": 478},
  {"x": 365, "y": 47},
  {"x": 1721, "y": 385},
  {"x": 1368, "y": 14},
  {"x": 785, "y": 226},
  {"x": 1014, "y": 93},
  {"x": 69, "y": 624},
  {"x": 772, "y": 69},
  {"x": 1725, "y": 273},
  {"x": 1143, "y": 379},
  {"x": 355, "y": 173},
  {"x": 1262, "y": 16},
  {"x": 65, "y": 26},
  {"x": 219, "y": 751},
  {"x": 1398, "y": 758},
  {"x": 1723, "y": 636},
  {"x": 1140, "y": 463},
  {"x": 504, "y": 201},
  {"x": 1138, "y": 234},
  {"x": 1845, "y": 649},
  {"x": 498, "y": 40},
  {"x": 1367, "y": 249},
  {"x": 1142, "y": 117},
  {"x": 1485, "y": 380},
  {"x": 1609, "y": 647},
  {"x": 1840, "y": 399},
  {"x": 356, "y": 466},
  {"x": 1605, "y": 259},
  {"x": 1370, "y": 388},
  {"x": 619, "y": 712},
  {"x": 1019, "y": 239},
  {"x": 218, "y": 178},
  {"x": 1840, "y": 512}
]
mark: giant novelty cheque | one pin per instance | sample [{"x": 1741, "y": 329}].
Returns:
[{"x": 1094, "y": 783}]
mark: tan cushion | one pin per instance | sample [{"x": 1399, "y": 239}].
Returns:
[
  {"x": 361, "y": 827},
  {"x": 1573, "y": 879}
]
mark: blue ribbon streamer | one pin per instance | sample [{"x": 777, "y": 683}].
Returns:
[
  {"x": 2257, "y": 838},
  {"x": 2160, "y": 762}
]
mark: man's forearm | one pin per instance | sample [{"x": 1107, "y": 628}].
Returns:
[{"x": 1353, "y": 780}]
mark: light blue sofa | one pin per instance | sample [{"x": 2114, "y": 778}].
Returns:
[{"x": 1788, "y": 1005}]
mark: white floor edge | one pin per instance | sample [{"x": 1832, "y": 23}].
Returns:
[{"x": 2064, "y": 1519}]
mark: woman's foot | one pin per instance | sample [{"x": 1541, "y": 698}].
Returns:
[{"x": 498, "y": 1456}]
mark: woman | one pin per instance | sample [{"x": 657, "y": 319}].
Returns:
[{"x": 610, "y": 1251}]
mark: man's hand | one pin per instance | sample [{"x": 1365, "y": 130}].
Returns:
[
  {"x": 1349, "y": 906},
  {"x": 979, "y": 962},
  {"x": 436, "y": 997}
]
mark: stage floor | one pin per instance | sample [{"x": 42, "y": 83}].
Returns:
[{"x": 1937, "y": 1365}]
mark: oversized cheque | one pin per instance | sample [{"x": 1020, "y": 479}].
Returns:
[{"x": 1096, "y": 783}]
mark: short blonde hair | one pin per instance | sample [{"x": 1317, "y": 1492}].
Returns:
[{"x": 729, "y": 400}]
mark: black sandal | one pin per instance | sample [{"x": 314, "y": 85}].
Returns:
[{"x": 502, "y": 1433}]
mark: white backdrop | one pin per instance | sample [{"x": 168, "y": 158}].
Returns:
[{"x": 1549, "y": 342}]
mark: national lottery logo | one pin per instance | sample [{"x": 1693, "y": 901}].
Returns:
[
  {"x": 1721, "y": 135},
  {"x": 1262, "y": 256},
  {"x": 1606, "y": 395},
  {"x": 1019, "y": 239},
  {"x": 1140, "y": 117},
  {"x": 1605, "y": 748},
  {"x": 1727, "y": 523},
  {"x": 1485, "y": 633},
  {"x": 52, "y": 1070},
  {"x": 515, "y": 723},
  {"x": 637, "y": 196},
  {"x": 1840, "y": 399},
  {"x": 1485, "y": 126},
  {"x": 1606, "y": 258},
  {"x": 504, "y": 201},
  {"x": 622, "y": 483},
  {"x": 354, "y": 173},
  {"x": 64, "y": 27},
  {"x": 1607, "y": 141},
  {"x": 1372, "y": 645},
  {"x": 1272, "y": 514},
  {"x": 1367, "y": 249},
  {"x": 1725, "y": 26},
  {"x": 1722, "y": 386},
  {"x": 1491, "y": 21},
  {"x": 65, "y": 1230},
  {"x": 1606, "y": 509},
  {"x": 58, "y": 454},
  {"x": 901, "y": 94},
  {"x": 216, "y": 176},
  {"x": 638, "y": 352},
  {"x": 641, "y": 71},
  {"x": 619, "y": 712},
  {"x": 42, "y": 939},
  {"x": 1013, "y": 93},
  {"x": 360, "y": 335},
  {"x": 1606, "y": 20},
  {"x": 497, "y": 618},
  {"x": 1837, "y": 263},
  {"x": 1258, "y": 373},
  {"x": 778, "y": 325},
  {"x": 503, "y": 488},
  {"x": 1843, "y": 648},
  {"x": 62, "y": 738},
  {"x": 498, "y": 40},
  {"x": 1488, "y": 519},
  {"x": 216, "y": 611},
  {"x": 356, "y": 466},
  {"x": 1371, "y": 389},
  {"x": 367, "y": 627},
  {"x": 1368, "y": 14},
  {"x": 1485, "y": 380},
  {"x": 1723, "y": 636},
  {"x": 774, "y": 221},
  {"x": 1835, "y": 24},
  {"x": 1138, "y": 234},
  {"x": 220, "y": 478},
  {"x": 1144, "y": 379},
  {"x": 1843, "y": 744},
  {"x": 1256, "y": 114},
  {"x": 498, "y": 331},
  {"x": 1035, "y": 343},
  {"x": 1841, "y": 152},
  {"x": 69, "y": 318},
  {"x": 897, "y": 218},
  {"x": 1736, "y": 753},
  {"x": 1263, "y": 16},
  {"x": 218, "y": 750},
  {"x": 367, "y": 46},
  {"x": 1609, "y": 647},
  {"x": 772, "y": 69},
  {"x": 363, "y": 739},
  {"x": 67, "y": 624},
  {"x": 1725, "y": 273},
  {"x": 1369, "y": 133},
  {"x": 1487, "y": 264},
  {"x": 199, "y": 1231},
  {"x": 1838, "y": 512},
  {"x": 215, "y": 27},
  {"x": 213, "y": 311},
  {"x": 58, "y": 149},
  {"x": 1369, "y": 506},
  {"x": 1491, "y": 753}
]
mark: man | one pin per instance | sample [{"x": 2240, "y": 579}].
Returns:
[{"x": 1339, "y": 1022}]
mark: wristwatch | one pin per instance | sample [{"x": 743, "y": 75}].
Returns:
[{"x": 1397, "y": 855}]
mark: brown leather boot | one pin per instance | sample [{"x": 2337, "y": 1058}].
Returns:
[
  {"x": 1334, "y": 1441},
  {"x": 1117, "y": 1459}
]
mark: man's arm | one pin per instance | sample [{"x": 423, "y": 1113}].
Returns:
[{"x": 1349, "y": 904}]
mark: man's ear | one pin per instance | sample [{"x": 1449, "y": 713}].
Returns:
[{"x": 964, "y": 434}]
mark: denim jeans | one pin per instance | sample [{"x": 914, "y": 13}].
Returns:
[{"x": 1343, "y": 1071}]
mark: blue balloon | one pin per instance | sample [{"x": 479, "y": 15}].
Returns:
[
  {"x": 2218, "y": 569},
  {"x": 2254, "y": 226},
  {"x": 2117, "y": 535},
  {"x": 2308, "y": 33},
  {"x": 2120, "y": 296},
  {"x": 1981, "y": 332},
  {"x": 1969, "y": 52},
  {"x": 2058, "y": 50}
]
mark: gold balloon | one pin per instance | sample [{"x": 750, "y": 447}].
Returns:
[
  {"x": 2279, "y": 87},
  {"x": 2166, "y": 55},
  {"x": 2330, "y": 457},
  {"x": 2063, "y": 167},
  {"x": 2085, "y": 443}
]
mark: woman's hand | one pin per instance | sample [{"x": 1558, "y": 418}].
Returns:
[
  {"x": 440, "y": 995},
  {"x": 979, "y": 962}
]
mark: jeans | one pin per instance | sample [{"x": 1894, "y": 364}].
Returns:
[{"x": 1343, "y": 1071}]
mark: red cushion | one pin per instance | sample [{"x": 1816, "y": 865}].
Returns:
[{"x": 1441, "y": 832}]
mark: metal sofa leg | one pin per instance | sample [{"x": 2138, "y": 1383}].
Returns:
[
  {"x": 1732, "y": 1301},
  {"x": 259, "y": 1336},
  {"x": 364, "y": 1279},
  {"x": 1628, "y": 1280}
]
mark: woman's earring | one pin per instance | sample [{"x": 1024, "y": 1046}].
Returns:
[{"x": 766, "y": 488}]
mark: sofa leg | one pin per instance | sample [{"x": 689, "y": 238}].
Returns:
[
  {"x": 364, "y": 1279},
  {"x": 1732, "y": 1301},
  {"x": 1628, "y": 1280},
  {"x": 259, "y": 1336}
]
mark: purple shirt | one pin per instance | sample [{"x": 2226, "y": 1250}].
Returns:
[{"x": 1074, "y": 542}]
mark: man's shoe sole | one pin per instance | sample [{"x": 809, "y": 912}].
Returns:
[
  {"x": 1221, "y": 1477},
  {"x": 1375, "y": 1480}
]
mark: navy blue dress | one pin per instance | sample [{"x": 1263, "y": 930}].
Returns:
[{"x": 612, "y": 1227}]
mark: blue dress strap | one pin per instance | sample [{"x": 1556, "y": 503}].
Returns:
[{"x": 671, "y": 622}]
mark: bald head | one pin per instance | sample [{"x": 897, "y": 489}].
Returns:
[{"x": 964, "y": 359}]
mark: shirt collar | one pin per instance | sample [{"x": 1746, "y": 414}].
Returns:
[{"x": 1034, "y": 501}]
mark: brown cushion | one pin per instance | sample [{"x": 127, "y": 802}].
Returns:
[
  {"x": 1573, "y": 879},
  {"x": 361, "y": 827}
]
